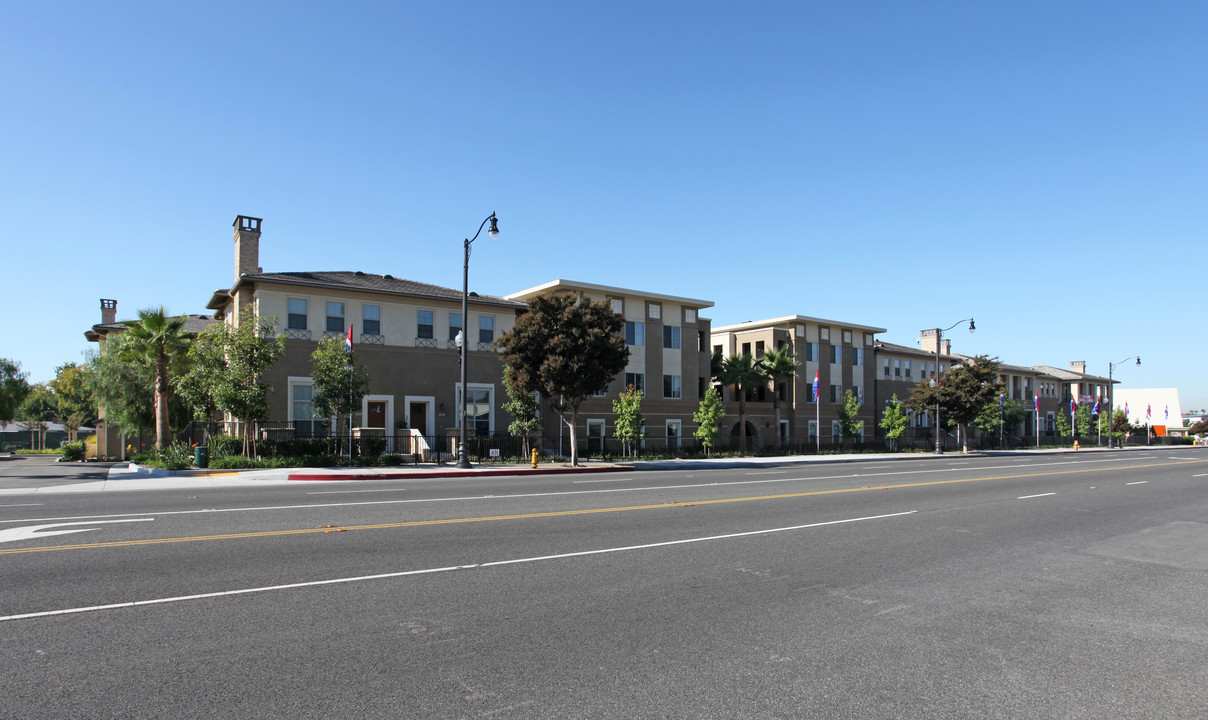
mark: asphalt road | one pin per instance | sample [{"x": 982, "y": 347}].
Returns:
[{"x": 1058, "y": 586}]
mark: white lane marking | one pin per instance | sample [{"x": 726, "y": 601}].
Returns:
[
  {"x": 24, "y": 505},
  {"x": 1179, "y": 458},
  {"x": 33, "y": 532},
  {"x": 1139, "y": 482},
  {"x": 451, "y": 568},
  {"x": 1201, "y": 475},
  {"x": 521, "y": 496},
  {"x": 1029, "y": 497}
]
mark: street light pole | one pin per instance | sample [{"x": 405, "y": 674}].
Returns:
[
  {"x": 1111, "y": 395},
  {"x": 463, "y": 456},
  {"x": 935, "y": 381}
]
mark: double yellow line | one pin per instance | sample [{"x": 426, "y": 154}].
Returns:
[{"x": 566, "y": 513}]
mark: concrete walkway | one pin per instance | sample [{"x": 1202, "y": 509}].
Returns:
[{"x": 124, "y": 476}]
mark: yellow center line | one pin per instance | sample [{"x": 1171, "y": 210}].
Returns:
[{"x": 565, "y": 513}]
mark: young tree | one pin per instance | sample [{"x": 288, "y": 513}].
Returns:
[
  {"x": 567, "y": 349},
  {"x": 962, "y": 393},
  {"x": 123, "y": 389},
  {"x": 227, "y": 368},
  {"x": 523, "y": 408},
  {"x": 708, "y": 417},
  {"x": 339, "y": 383},
  {"x": 781, "y": 368},
  {"x": 1084, "y": 422},
  {"x": 1062, "y": 423},
  {"x": 14, "y": 386},
  {"x": 894, "y": 421},
  {"x": 631, "y": 424},
  {"x": 37, "y": 409},
  {"x": 1011, "y": 415},
  {"x": 744, "y": 373},
  {"x": 849, "y": 426},
  {"x": 161, "y": 342},
  {"x": 74, "y": 405}
]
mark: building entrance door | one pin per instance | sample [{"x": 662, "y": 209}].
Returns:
[
  {"x": 377, "y": 415},
  {"x": 419, "y": 416}
]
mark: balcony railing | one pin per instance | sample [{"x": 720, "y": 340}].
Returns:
[{"x": 373, "y": 339}]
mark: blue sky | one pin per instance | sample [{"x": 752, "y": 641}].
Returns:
[{"x": 1039, "y": 166}]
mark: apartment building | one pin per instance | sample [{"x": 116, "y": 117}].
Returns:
[
  {"x": 403, "y": 333},
  {"x": 668, "y": 347},
  {"x": 836, "y": 352}
]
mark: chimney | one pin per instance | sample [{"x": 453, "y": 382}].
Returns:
[
  {"x": 108, "y": 311},
  {"x": 1078, "y": 366},
  {"x": 247, "y": 245},
  {"x": 945, "y": 347}
]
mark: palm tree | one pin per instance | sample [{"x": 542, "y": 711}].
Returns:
[
  {"x": 158, "y": 340},
  {"x": 744, "y": 373},
  {"x": 781, "y": 367}
]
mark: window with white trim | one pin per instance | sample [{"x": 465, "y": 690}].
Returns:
[
  {"x": 371, "y": 319},
  {"x": 335, "y": 316},
  {"x": 297, "y": 314},
  {"x": 671, "y": 387}
]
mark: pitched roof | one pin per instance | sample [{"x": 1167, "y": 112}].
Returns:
[
  {"x": 193, "y": 325},
  {"x": 365, "y": 282}
]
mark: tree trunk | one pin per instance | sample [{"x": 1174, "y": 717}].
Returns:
[
  {"x": 742, "y": 422},
  {"x": 776, "y": 404},
  {"x": 574, "y": 443},
  {"x": 162, "y": 431}
]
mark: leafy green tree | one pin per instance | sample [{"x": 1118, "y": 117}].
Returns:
[
  {"x": 850, "y": 427},
  {"x": 36, "y": 410},
  {"x": 339, "y": 383},
  {"x": 160, "y": 341},
  {"x": 631, "y": 424},
  {"x": 567, "y": 349},
  {"x": 227, "y": 369},
  {"x": 708, "y": 417},
  {"x": 1062, "y": 423},
  {"x": 743, "y": 373},
  {"x": 1011, "y": 415},
  {"x": 523, "y": 407},
  {"x": 894, "y": 421},
  {"x": 780, "y": 367},
  {"x": 74, "y": 404},
  {"x": 963, "y": 392},
  {"x": 14, "y": 386},
  {"x": 124, "y": 390}
]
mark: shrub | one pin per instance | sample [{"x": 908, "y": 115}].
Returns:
[
  {"x": 225, "y": 445},
  {"x": 73, "y": 452},
  {"x": 176, "y": 456}
]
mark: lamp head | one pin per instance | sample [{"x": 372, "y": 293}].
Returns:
[
  {"x": 1138, "y": 359},
  {"x": 493, "y": 231},
  {"x": 972, "y": 327}
]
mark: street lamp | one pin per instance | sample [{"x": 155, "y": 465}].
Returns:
[
  {"x": 935, "y": 383},
  {"x": 463, "y": 456},
  {"x": 1111, "y": 406}
]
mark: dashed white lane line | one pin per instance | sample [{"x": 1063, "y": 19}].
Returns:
[
  {"x": 1139, "y": 482},
  {"x": 1201, "y": 475},
  {"x": 1029, "y": 497},
  {"x": 451, "y": 568},
  {"x": 24, "y": 505}
]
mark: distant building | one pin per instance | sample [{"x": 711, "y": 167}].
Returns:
[{"x": 1158, "y": 408}]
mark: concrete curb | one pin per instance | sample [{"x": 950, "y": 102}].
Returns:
[{"x": 449, "y": 473}]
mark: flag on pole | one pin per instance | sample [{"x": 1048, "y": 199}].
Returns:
[
  {"x": 1073, "y": 405},
  {"x": 348, "y": 340},
  {"x": 861, "y": 396},
  {"x": 1125, "y": 409},
  {"x": 1167, "y": 413},
  {"x": 1095, "y": 410},
  {"x": 1147, "y": 411},
  {"x": 1001, "y": 400},
  {"x": 816, "y": 387},
  {"x": 1037, "y": 404}
]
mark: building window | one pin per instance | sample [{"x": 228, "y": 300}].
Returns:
[
  {"x": 887, "y": 374},
  {"x": 717, "y": 349},
  {"x": 836, "y": 392},
  {"x": 836, "y": 354},
  {"x": 618, "y": 305},
  {"x": 486, "y": 329},
  {"x": 800, "y": 331},
  {"x": 689, "y": 316},
  {"x": 759, "y": 348},
  {"x": 824, "y": 334},
  {"x": 836, "y": 431},
  {"x": 371, "y": 319},
  {"x": 635, "y": 333},
  {"x": 868, "y": 339},
  {"x": 847, "y": 337},
  {"x": 455, "y": 325},
  {"x": 907, "y": 369},
  {"x": 302, "y": 412},
  {"x": 637, "y": 380},
  {"x": 702, "y": 343},
  {"x": 479, "y": 415},
  {"x": 423, "y": 324},
  {"x": 671, "y": 337},
  {"x": 297, "y": 314},
  {"x": 655, "y": 311},
  {"x": 335, "y": 317},
  {"x": 857, "y": 357},
  {"x": 897, "y": 368},
  {"x": 671, "y": 387},
  {"x": 746, "y": 348},
  {"x": 811, "y": 352},
  {"x": 673, "y": 434}
]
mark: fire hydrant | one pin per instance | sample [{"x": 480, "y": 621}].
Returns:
[
  {"x": 534, "y": 457},
  {"x": 1075, "y": 446}
]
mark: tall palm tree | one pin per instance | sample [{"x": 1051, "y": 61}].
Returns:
[
  {"x": 744, "y": 373},
  {"x": 158, "y": 340},
  {"x": 781, "y": 367}
]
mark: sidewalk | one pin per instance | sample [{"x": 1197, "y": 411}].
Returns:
[{"x": 124, "y": 476}]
